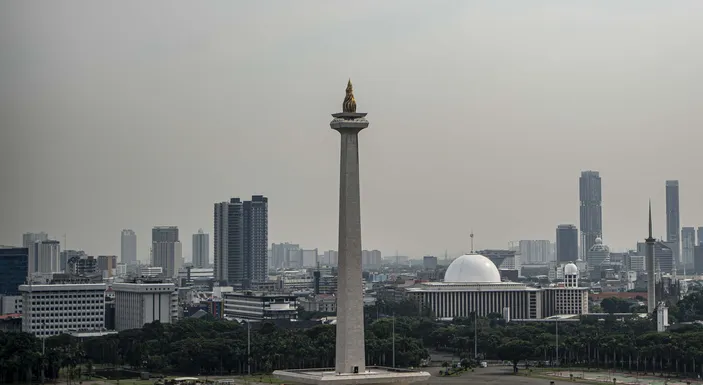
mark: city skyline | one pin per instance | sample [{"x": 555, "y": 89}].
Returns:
[{"x": 246, "y": 121}]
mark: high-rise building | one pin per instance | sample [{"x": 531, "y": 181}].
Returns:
[
  {"x": 13, "y": 269},
  {"x": 280, "y": 254},
  {"x": 567, "y": 249},
  {"x": 663, "y": 258},
  {"x": 28, "y": 239},
  {"x": 591, "y": 212},
  {"x": 128, "y": 247},
  {"x": 535, "y": 251},
  {"x": 201, "y": 249},
  {"x": 673, "y": 221},
  {"x": 688, "y": 241},
  {"x": 106, "y": 264},
  {"x": 241, "y": 241},
  {"x": 699, "y": 233},
  {"x": 45, "y": 257},
  {"x": 429, "y": 262},
  {"x": 698, "y": 259},
  {"x": 166, "y": 250}
]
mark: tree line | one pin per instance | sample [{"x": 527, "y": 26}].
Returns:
[{"x": 209, "y": 346}]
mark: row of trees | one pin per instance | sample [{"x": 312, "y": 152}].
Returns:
[{"x": 209, "y": 346}]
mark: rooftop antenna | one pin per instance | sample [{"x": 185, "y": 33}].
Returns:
[{"x": 472, "y": 240}]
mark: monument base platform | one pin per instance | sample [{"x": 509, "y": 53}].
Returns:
[{"x": 372, "y": 375}]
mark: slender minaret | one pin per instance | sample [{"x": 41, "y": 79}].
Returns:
[
  {"x": 351, "y": 357},
  {"x": 651, "y": 281}
]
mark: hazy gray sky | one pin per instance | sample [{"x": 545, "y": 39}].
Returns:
[{"x": 131, "y": 114}]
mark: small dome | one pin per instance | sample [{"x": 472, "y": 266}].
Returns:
[
  {"x": 571, "y": 269},
  {"x": 472, "y": 268},
  {"x": 599, "y": 241}
]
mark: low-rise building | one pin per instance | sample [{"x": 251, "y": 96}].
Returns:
[
  {"x": 323, "y": 303},
  {"x": 258, "y": 306},
  {"x": 144, "y": 301},
  {"x": 52, "y": 309}
]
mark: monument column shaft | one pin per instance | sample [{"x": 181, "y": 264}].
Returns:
[
  {"x": 350, "y": 310},
  {"x": 651, "y": 281}
]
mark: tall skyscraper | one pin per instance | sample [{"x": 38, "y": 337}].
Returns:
[
  {"x": 591, "y": 212},
  {"x": 241, "y": 241},
  {"x": 28, "y": 239},
  {"x": 673, "y": 222},
  {"x": 699, "y": 233},
  {"x": 688, "y": 242},
  {"x": 128, "y": 247},
  {"x": 201, "y": 249},
  {"x": 166, "y": 250},
  {"x": 567, "y": 249}
]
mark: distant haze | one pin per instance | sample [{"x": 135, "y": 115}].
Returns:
[{"x": 132, "y": 114}]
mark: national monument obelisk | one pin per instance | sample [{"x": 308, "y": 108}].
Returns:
[
  {"x": 350, "y": 359},
  {"x": 650, "y": 262},
  {"x": 350, "y": 350}
]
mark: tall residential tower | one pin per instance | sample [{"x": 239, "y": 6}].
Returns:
[
  {"x": 673, "y": 220},
  {"x": 166, "y": 250},
  {"x": 201, "y": 249},
  {"x": 591, "y": 212},
  {"x": 241, "y": 241},
  {"x": 128, "y": 247}
]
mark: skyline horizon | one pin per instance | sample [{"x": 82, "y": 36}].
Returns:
[
  {"x": 482, "y": 116},
  {"x": 188, "y": 257}
]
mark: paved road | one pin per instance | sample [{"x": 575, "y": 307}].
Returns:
[{"x": 489, "y": 376}]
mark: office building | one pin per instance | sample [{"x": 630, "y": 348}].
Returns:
[
  {"x": 241, "y": 241},
  {"x": 201, "y": 249},
  {"x": 688, "y": 241},
  {"x": 567, "y": 248},
  {"x": 54, "y": 309},
  {"x": 14, "y": 267},
  {"x": 29, "y": 239},
  {"x": 663, "y": 258},
  {"x": 166, "y": 250},
  {"x": 429, "y": 262},
  {"x": 45, "y": 257},
  {"x": 699, "y": 234},
  {"x": 591, "y": 213},
  {"x": 144, "y": 301},
  {"x": 107, "y": 264},
  {"x": 673, "y": 221},
  {"x": 82, "y": 265},
  {"x": 257, "y": 306},
  {"x": 128, "y": 247},
  {"x": 535, "y": 251}
]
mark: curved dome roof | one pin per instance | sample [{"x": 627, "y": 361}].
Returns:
[
  {"x": 599, "y": 247},
  {"x": 472, "y": 268},
  {"x": 571, "y": 269}
]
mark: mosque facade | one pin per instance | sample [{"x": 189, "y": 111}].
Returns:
[{"x": 472, "y": 283}]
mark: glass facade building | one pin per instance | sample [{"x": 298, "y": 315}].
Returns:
[{"x": 13, "y": 269}]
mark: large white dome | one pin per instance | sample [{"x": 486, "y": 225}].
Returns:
[
  {"x": 474, "y": 268},
  {"x": 571, "y": 269}
]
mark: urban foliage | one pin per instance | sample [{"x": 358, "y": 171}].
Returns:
[{"x": 209, "y": 346}]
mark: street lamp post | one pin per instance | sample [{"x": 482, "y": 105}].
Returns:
[{"x": 393, "y": 339}]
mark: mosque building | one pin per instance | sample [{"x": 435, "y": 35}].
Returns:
[{"x": 472, "y": 283}]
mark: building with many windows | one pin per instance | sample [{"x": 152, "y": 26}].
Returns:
[
  {"x": 13, "y": 269},
  {"x": 201, "y": 249},
  {"x": 241, "y": 241},
  {"x": 472, "y": 284},
  {"x": 590, "y": 210},
  {"x": 128, "y": 247},
  {"x": 259, "y": 306},
  {"x": 144, "y": 301},
  {"x": 54, "y": 309}
]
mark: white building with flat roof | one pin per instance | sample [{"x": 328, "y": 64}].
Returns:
[
  {"x": 138, "y": 303},
  {"x": 52, "y": 309}
]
